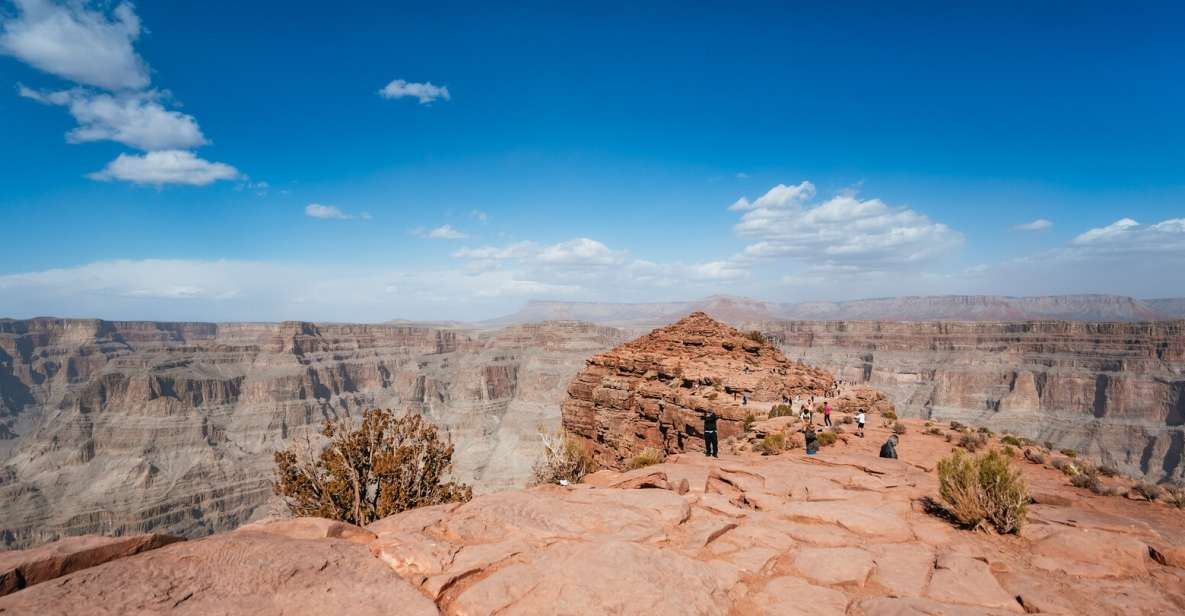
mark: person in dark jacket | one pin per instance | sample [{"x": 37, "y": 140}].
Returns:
[
  {"x": 711, "y": 444},
  {"x": 812, "y": 440},
  {"x": 889, "y": 449}
]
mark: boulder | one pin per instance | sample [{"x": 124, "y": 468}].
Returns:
[
  {"x": 22, "y": 568},
  {"x": 1091, "y": 553},
  {"x": 311, "y": 528},
  {"x": 834, "y": 566},
  {"x": 962, "y": 579}
]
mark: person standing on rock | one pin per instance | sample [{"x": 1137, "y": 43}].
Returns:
[
  {"x": 711, "y": 444},
  {"x": 889, "y": 449},
  {"x": 827, "y": 414},
  {"x": 860, "y": 424},
  {"x": 812, "y": 440}
]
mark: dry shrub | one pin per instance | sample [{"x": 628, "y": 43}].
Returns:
[
  {"x": 649, "y": 457},
  {"x": 1147, "y": 491},
  {"x": 888, "y": 418},
  {"x": 772, "y": 444},
  {"x": 847, "y": 419},
  {"x": 1084, "y": 480},
  {"x": 1065, "y": 466},
  {"x": 756, "y": 336},
  {"x": 972, "y": 442},
  {"x": 748, "y": 423},
  {"x": 899, "y": 428},
  {"x": 782, "y": 410},
  {"x": 950, "y": 437},
  {"x": 934, "y": 430},
  {"x": 826, "y": 439},
  {"x": 1107, "y": 470},
  {"x": 984, "y": 491},
  {"x": 1034, "y": 456},
  {"x": 839, "y": 430},
  {"x": 564, "y": 459},
  {"x": 1008, "y": 451},
  {"x": 1069, "y": 453},
  {"x": 956, "y": 426},
  {"x": 384, "y": 466},
  {"x": 1008, "y": 439},
  {"x": 985, "y": 431},
  {"x": 1174, "y": 497}
]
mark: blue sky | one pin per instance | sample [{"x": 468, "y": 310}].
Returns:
[{"x": 211, "y": 161}]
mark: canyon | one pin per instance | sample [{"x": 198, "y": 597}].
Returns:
[{"x": 127, "y": 427}]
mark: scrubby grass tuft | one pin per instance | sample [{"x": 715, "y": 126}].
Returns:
[
  {"x": 649, "y": 457},
  {"x": 826, "y": 439},
  {"x": 983, "y": 492},
  {"x": 772, "y": 444}
]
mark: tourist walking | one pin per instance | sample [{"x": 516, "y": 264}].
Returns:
[
  {"x": 827, "y": 414},
  {"x": 860, "y": 423}
]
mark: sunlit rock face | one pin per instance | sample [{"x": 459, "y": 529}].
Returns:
[
  {"x": 123, "y": 427},
  {"x": 1113, "y": 390}
]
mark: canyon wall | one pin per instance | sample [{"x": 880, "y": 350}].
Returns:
[
  {"x": 121, "y": 427},
  {"x": 1115, "y": 391}
]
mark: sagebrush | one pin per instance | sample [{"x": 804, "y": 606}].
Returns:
[
  {"x": 564, "y": 459},
  {"x": 983, "y": 492},
  {"x": 383, "y": 466},
  {"x": 649, "y": 457}
]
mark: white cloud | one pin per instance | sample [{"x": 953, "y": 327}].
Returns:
[
  {"x": 1040, "y": 224},
  {"x": 581, "y": 251},
  {"x": 136, "y": 120},
  {"x": 73, "y": 42},
  {"x": 517, "y": 250},
  {"x": 443, "y": 232},
  {"x": 425, "y": 92},
  {"x": 1128, "y": 237},
  {"x": 316, "y": 210},
  {"x": 844, "y": 230},
  {"x": 165, "y": 167}
]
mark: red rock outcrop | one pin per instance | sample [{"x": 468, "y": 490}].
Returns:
[
  {"x": 842, "y": 532},
  {"x": 651, "y": 392},
  {"x": 23, "y": 568}
]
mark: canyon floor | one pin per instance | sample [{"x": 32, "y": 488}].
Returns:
[{"x": 843, "y": 532}]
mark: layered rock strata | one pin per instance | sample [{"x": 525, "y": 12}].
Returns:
[
  {"x": 128, "y": 427},
  {"x": 1115, "y": 391},
  {"x": 654, "y": 391}
]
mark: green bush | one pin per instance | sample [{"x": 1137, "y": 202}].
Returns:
[
  {"x": 956, "y": 426},
  {"x": 1069, "y": 453},
  {"x": 1011, "y": 440},
  {"x": 649, "y": 457},
  {"x": 826, "y": 439},
  {"x": 747, "y": 424},
  {"x": 889, "y": 415},
  {"x": 781, "y": 410},
  {"x": 772, "y": 444},
  {"x": 984, "y": 431},
  {"x": 1008, "y": 451},
  {"x": 984, "y": 491}
]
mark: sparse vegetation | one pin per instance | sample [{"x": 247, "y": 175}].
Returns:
[
  {"x": 747, "y": 424},
  {"x": 983, "y": 492},
  {"x": 1174, "y": 497},
  {"x": 1147, "y": 491},
  {"x": 1034, "y": 456},
  {"x": 1064, "y": 465},
  {"x": 382, "y": 467},
  {"x": 1008, "y": 439},
  {"x": 1083, "y": 480},
  {"x": 564, "y": 459},
  {"x": 972, "y": 442},
  {"x": 899, "y": 428},
  {"x": 649, "y": 457},
  {"x": 1049, "y": 445},
  {"x": 1008, "y": 451},
  {"x": 756, "y": 336},
  {"x": 956, "y": 426},
  {"x": 826, "y": 439},
  {"x": 1069, "y": 453},
  {"x": 890, "y": 415},
  {"x": 936, "y": 431},
  {"x": 781, "y": 410},
  {"x": 1107, "y": 470},
  {"x": 985, "y": 431},
  {"x": 772, "y": 444}
]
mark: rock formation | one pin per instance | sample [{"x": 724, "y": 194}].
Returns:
[
  {"x": 843, "y": 532},
  {"x": 130, "y": 427},
  {"x": 652, "y": 391},
  {"x": 1115, "y": 391}
]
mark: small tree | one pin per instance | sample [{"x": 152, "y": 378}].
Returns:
[{"x": 384, "y": 466}]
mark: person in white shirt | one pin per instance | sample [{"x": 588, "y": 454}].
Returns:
[{"x": 860, "y": 423}]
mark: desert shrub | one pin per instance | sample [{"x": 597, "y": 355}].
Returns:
[
  {"x": 1066, "y": 466},
  {"x": 972, "y": 442},
  {"x": 1069, "y": 453},
  {"x": 899, "y": 428},
  {"x": 1048, "y": 445},
  {"x": 984, "y": 491},
  {"x": 747, "y": 424},
  {"x": 1034, "y": 456},
  {"x": 889, "y": 415},
  {"x": 827, "y": 439},
  {"x": 1107, "y": 470},
  {"x": 649, "y": 457},
  {"x": 985, "y": 431},
  {"x": 956, "y": 426},
  {"x": 1008, "y": 439},
  {"x": 782, "y": 410},
  {"x": 839, "y": 430},
  {"x": 847, "y": 419},
  {"x": 564, "y": 459},
  {"x": 928, "y": 424},
  {"x": 950, "y": 437},
  {"x": 772, "y": 444},
  {"x": 1174, "y": 497},
  {"x": 1083, "y": 480},
  {"x": 1008, "y": 450},
  {"x": 936, "y": 431},
  {"x": 756, "y": 336},
  {"x": 1147, "y": 491},
  {"x": 382, "y": 467}
]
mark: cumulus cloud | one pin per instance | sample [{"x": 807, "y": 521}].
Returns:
[
  {"x": 136, "y": 119},
  {"x": 581, "y": 251},
  {"x": 1040, "y": 224},
  {"x": 1128, "y": 237},
  {"x": 165, "y": 167},
  {"x": 424, "y": 92},
  {"x": 74, "y": 42},
  {"x": 842, "y": 231}
]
